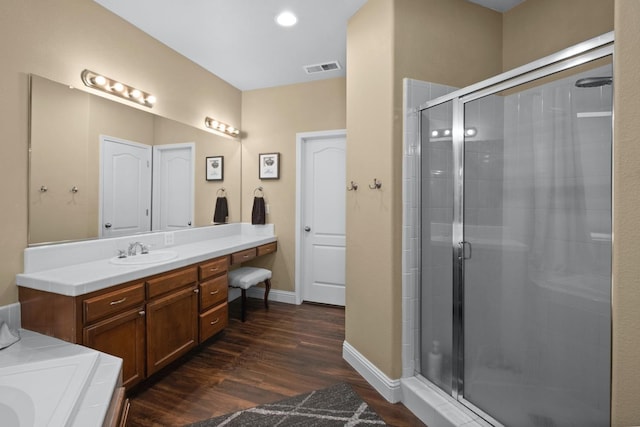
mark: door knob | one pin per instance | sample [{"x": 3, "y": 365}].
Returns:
[
  {"x": 307, "y": 228},
  {"x": 189, "y": 223},
  {"x": 107, "y": 225}
]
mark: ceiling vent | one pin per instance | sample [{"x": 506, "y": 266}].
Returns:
[{"x": 321, "y": 68}]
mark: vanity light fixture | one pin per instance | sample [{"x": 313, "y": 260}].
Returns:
[
  {"x": 113, "y": 87},
  {"x": 221, "y": 127}
]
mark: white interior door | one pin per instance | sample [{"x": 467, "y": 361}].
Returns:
[
  {"x": 323, "y": 174},
  {"x": 173, "y": 186},
  {"x": 125, "y": 187}
]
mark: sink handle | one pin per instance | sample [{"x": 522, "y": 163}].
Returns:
[{"x": 122, "y": 253}]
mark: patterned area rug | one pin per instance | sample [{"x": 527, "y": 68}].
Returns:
[{"x": 337, "y": 405}]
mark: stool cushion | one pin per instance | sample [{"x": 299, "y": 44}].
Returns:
[{"x": 245, "y": 277}]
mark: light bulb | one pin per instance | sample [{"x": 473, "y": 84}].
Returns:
[
  {"x": 286, "y": 19},
  {"x": 435, "y": 134},
  {"x": 151, "y": 99},
  {"x": 100, "y": 80},
  {"x": 136, "y": 93},
  {"x": 118, "y": 87},
  {"x": 447, "y": 132}
]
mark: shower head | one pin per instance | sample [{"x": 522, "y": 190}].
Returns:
[{"x": 594, "y": 81}]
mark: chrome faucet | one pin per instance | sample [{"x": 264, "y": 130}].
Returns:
[{"x": 133, "y": 248}]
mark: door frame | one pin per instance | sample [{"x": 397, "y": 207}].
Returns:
[{"x": 301, "y": 138}]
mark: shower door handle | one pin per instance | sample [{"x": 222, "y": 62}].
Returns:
[{"x": 463, "y": 250}]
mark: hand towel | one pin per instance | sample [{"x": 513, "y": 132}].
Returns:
[
  {"x": 221, "y": 212},
  {"x": 7, "y": 337},
  {"x": 258, "y": 215}
]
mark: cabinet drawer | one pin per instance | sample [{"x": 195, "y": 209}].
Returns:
[
  {"x": 243, "y": 256},
  {"x": 168, "y": 282},
  {"x": 213, "y": 321},
  {"x": 213, "y": 291},
  {"x": 113, "y": 302},
  {"x": 269, "y": 248},
  {"x": 213, "y": 268}
]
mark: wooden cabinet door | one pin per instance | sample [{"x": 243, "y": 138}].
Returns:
[
  {"x": 172, "y": 327},
  {"x": 123, "y": 336}
]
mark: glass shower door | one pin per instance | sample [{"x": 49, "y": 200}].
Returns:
[
  {"x": 537, "y": 257},
  {"x": 436, "y": 263}
]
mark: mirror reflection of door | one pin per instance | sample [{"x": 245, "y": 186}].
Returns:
[
  {"x": 173, "y": 186},
  {"x": 125, "y": 187}
]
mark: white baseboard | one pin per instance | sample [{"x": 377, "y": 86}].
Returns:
[
  {"x": 258, "y": 292},
  {"x": 388, "y": 388}
]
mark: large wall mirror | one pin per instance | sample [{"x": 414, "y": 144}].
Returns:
[{"x": 70, "y": 129}]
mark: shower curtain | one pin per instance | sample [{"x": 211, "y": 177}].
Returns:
[{"x": 554, "y": 184}]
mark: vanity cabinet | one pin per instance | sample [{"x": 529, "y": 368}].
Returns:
[
  {"x": 114, "y": 323},
  {"x": 148, "y": 322},
  {"x": 172, "y": 316}
]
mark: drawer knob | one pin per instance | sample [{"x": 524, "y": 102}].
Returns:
[
  {"x": 120, "y": 301},
  {"x": 245, "y": 256},
  {"x": 214, "y": 292},
  {"x": 141, "y": 313},
  {"x": 215, "y": 321},
  {"x": 196, "y": 290},
  {"x": 213, "y": 269}
]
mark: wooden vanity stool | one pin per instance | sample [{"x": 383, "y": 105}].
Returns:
[{"x": 246, "y": 277}]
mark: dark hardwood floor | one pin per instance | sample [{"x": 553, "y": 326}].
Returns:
[{"x": 275, "y": 354}]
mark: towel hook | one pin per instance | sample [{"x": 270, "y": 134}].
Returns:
[
  {"x": 74, "y": 189},
  {"x": 220, "y": 191},
  {"x": 260, "y": 190},
  {"x": 43, "y": 189},
  {"x": 352, "y": 187},
  {"x": 376, "y": 184}
]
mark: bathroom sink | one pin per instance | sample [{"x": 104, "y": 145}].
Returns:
[{"x": 150, "y": 258}]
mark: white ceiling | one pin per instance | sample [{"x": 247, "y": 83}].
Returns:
[{"x": 239, "y": 41}]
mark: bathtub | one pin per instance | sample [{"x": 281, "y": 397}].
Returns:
[
  {"x": 47, "y": 381},
  {"x": 45, "y": 392}
]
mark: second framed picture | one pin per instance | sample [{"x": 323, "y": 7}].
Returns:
[
  {"x": 215, "y": 168},
  {"x": 269, "y": 166}
]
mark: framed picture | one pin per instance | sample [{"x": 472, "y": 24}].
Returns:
[
  {"x": 215, "y": 168},
  {"x": 269, "y": 166}
]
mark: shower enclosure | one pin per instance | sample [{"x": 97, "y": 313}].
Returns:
[{"x": 515, "y": 287}]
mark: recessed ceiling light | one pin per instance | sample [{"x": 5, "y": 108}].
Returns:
[{"x": 286, "y": 19}]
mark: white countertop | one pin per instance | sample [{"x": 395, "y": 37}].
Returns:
[{"x": 93, "y": 271}]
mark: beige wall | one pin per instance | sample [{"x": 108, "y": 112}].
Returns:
[
  {"x": 538, "y": 28},
  {"x": 271, "y": 118},
  {"x": 58, "y": 39},
  {"x": 372, "y": 314},
  {"x": 626, "y": 205}
]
